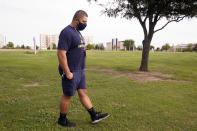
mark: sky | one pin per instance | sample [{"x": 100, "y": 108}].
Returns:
[{"x": 21, "y": 20}]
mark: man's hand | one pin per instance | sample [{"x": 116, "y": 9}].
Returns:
[
  {"x": 69, "y": 75},
  {"x": 63, "y": 63}
]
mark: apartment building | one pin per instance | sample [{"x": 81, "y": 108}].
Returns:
[
  {"x": 47, "y": 41},
  {"x": 1, "y": 40}
]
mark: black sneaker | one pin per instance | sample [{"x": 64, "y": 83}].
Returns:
[
  {"x": 99, "y": 117},
  {"x": 66, "y": 123}
]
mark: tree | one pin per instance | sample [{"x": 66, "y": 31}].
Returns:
[
  {"x": 129, "y": 44},
  {"x": 27, "y": 47},
  {"x": 99, "y": 47},
  {"x": 18, "y": 47},
  {"x": 4, "y": 47},
  {"x": 152, "y": 47},
  {"x": 89, "y": 47},
  {"x": 10, "y": 45},
  {"x": 139, "y": 48},
  {"x": 37, "y": 47},
  {"x": 23, "y": 46},
  {"x": 54, "y": 46},
  {"x": 165, "y": 47},
  {"x": 102, "y": 47},
  {"x": 96, "y": 47},
  {"x": 179, "y": 49},
  {"x": 195, "y": 48},
  {"x": 158, "y": 49},
  {"x": 149, "y": 13},
  {"x": 190, "y": 47}
]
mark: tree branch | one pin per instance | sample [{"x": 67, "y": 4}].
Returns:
[
  {"x": 176, "y": 20},
  {"x": 143, "y": 24},
  {"x": 145, "y": 19},
  {"x": 159, "y": 17}
]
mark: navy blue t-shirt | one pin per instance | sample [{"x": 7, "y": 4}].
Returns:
[{"x": 72, "y": 41}]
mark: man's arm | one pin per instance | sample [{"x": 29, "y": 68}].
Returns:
[{"x": 63, "y": 63}]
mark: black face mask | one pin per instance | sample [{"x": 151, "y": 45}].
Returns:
[{"x": 81, "y": 26}]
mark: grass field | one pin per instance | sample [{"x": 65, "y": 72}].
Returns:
[{"x": 30, "y": 91}]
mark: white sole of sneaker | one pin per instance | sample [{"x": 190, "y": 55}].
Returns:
[{"x": 96, "y": 121}]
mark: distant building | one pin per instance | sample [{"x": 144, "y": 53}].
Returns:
[
  {"x": 43, "y": 42},
  {"x": 47, "y": 41},
  {"x": 88, "y": 40},
  {"x": 120, "y": 45},
  {"x": 108, "y": 46},
  {"x": 180, "y": 47},
  {"x": 1, "y": 41}
]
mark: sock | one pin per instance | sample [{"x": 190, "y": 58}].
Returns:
[
  {"x": 91, "y": 112},
  {"x": 62, "y": 116}
]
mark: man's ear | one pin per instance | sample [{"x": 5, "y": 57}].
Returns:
[{"x": 77, "y": 21}]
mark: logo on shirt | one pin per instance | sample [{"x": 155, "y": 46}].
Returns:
[
  {"x": 82, "y": 41},
  {"x": 80, "y": 46}
]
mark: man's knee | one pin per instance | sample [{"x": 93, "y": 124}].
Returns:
[
  {"x": 82, "y": 93},
  {"x": 66, "y": 98}
]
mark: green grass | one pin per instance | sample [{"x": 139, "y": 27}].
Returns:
[{"x": 163, "y": 106}]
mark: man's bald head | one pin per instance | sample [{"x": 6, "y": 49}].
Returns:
[{"x": 79, "y": 14}]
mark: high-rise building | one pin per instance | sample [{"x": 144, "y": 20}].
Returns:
[
  {"x": 43, "y": 42},
  {"x": 53, "y": 39},
  {"x": 88, "y": 40},
  {"x": 47, "y": 41},
  {"x": 117, "y": 45},
  {"x": 1, "y": 41}
]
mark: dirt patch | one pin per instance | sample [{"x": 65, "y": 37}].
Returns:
[
  {"x": 117, "y": 104},
  {"x": 147, "y": 76},
  {"x": 139, "y": 76},
  {"x": 33, "y": 85},
  {"x": 14, "y": 50}
]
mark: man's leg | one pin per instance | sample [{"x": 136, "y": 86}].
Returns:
[
  {"x": 85, "y": 101},
  {"x": 64, "y": 106}
]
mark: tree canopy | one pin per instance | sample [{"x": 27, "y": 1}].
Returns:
[
  {"x": 148, "y": 13},
  {"x": 129, "y": 44},
  {"x": 10, "y": 45},
  {"x": 152, "y": 10},
  {"x": 165, "y": 47}
]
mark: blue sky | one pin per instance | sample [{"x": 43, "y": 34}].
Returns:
[{"x": 21, "y": 20}]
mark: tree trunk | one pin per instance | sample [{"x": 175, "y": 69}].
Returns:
[
  {"x": 148, "y": 35},
  {"x": 145, "y": 55}
]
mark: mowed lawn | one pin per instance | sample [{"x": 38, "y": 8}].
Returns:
[{"x": 30, "y": 90}]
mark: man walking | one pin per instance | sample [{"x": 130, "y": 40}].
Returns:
[{"x": 71, "y": 55}]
